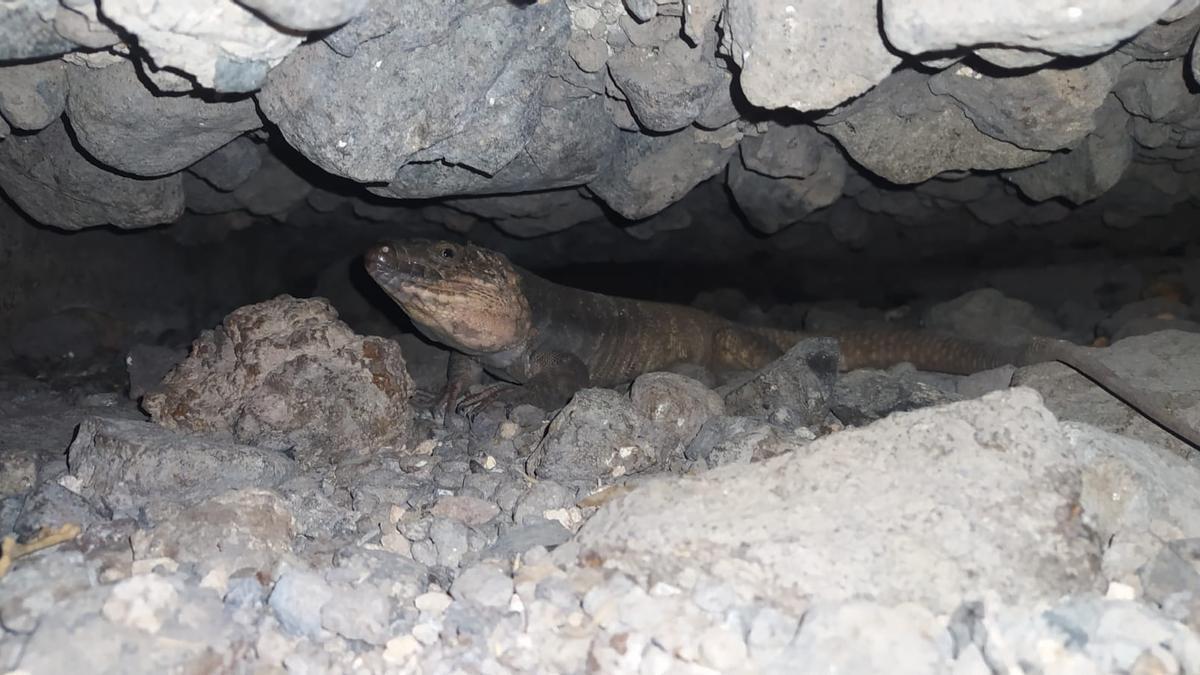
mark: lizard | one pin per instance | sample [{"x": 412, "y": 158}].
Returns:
[{"x": 544, "y": 341}]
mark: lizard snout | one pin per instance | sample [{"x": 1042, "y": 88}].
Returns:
[{"x": 377, "y": 257}]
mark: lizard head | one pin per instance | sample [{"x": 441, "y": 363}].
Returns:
[{"x": 463, "y": 296}]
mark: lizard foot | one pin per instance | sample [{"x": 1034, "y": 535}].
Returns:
[{"x": 499, "y": 392}]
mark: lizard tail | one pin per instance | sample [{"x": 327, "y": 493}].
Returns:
[
  {"x": 885, "y": 347},
  {"x": 1151, "y": 406}
]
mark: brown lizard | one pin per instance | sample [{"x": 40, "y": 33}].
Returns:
[{"x": 546, "y": 341}]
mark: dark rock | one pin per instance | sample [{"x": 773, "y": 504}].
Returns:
[
  {"x": 56, "y": 185},
  {"x": 800, "y": 382},
  {"x": 148, "y": 365},
  {"x": 1047, "y": 109},
  {"x": 905, "y": 133},
  {"x": 676, "y": 404},
  {"x": 125, "y": 461},
  {"x": 1164, "y": 40},
  {"x": 533, "y": 214},
  {"x": 229, "y": 166},
  {"x": 33, "y": 95},
  {"x": 125, "y": 126},
  {"x": 988, "y": 316},
  {"x": 287, "y": 372},
  {"x": 863, "y": 396},
  {"x": 739, "y": 440},
  {"x": 1155, "y": 90},
  {"x": 52, "y": 505},
  {"x": 598, "y": 434},
  {"x": 517, "y": 540},
  {"x": 667, "y": 87},
  {"x": 1088, "y": 169},
  {"x": 772, "y": 204},
  {"x": 1150, "y": 325},
  {"x": 649, "y": 173},
  {"x": 541, "y": 497},
  {"x": 1148, "y": 308},
  {"x": 397, "y": 108}
]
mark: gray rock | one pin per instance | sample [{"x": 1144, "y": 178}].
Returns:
[
  {"x": 905, "y": 639},
  {"x": 1174, "y": 571},
  {"x": 571, "y": 145},
  {"x": 288, "y": 373},
  {"x": 598, "y": 434},
  {"x": 450, "y": 538},
  {"x": 33, "y": 95},
  {"x": 1164, "y": 40},
  {"x": 1147, "y": 308},
  {"x": 297, "y": 600},
  {"x": 739, "y": 440},
  {"x": 533, "y": 214},
  {"x": 122, "y": 124},
  {"x": 244, "y": 528},
  {"x": 420, "y": 22},
  {"x": 543, "y": 496},
  {"x": 642, "y": 10},
  {"x": 147, "y": 365},
  {"x": 1195, "y": 61},
  {"x": 667, "y": 87},
  {"x": 1087, "y": 170},
  {"x": 795, "y": 151},
  {"x": 307, "y": 16},
  {"x": 359, "y": 613},
  {"x": 52, "y": 505},
  {"x": 1155, "y": 91},
  {"x": 800, "y": 382},
  {"x": 1047, "y": 109},
  {"x": 649, "y": 173},
  {"x": 124, "y": 461},
  {"x": 27, "y": 31},
  {"x": 677, "y": 404},
  {"x": 905, "y": 133},
  {"x": 466, "y": 510},
  {"x": 79, "y": 21},
  {"x": 400, "y": 111},
  {"x": 45, "y": 176},
  {"x": 231, "y": 165},
  {"x": 485, "y": 584},
  {"x": 918, "y": 26},
  {"x": 988, "y": 316},
  {"x": 1014, "y": 59},
  {"x": 272, "y": 190},
  {"x": 863, "y": 396},
  {"x": 778, "y": 47},
  {"x": 517, "y": 540},
  {"x": 1161, "y": 363},
  {"x": 941, "y": 537},
  {"x": 772, "y": 204},
  {"x": 222, "y": 46}
]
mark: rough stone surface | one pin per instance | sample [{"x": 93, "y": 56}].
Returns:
[
  {"x": 32, "y": 95},
  {"x": 740, "y": 440},
  {"x": 597, "y": 434},
  {"x": 125, "y": 462},
  {"x": 122, "y": 124},
  {"x": 863, "y": 396},
  {"x": 398, "y": 110},
  {"x": 806, "y": 55},
  {"x": 307, "y": 16},
  {"x": 667, "y": 87},
  {"x": 1162, "y": 363},
  {"x": 287, "y": 372},
  {"x": 770, "y": 513},
  {"x": 799, "y": 383},
  {"x": 989, "y": 315},
  {"x": 918, "y": 26},
  {"x": 677, "y": 404},
  {"x": 1048, "y": 109},
  {"x": 1088, "y": 169},
  {"x": 49, "y": 180},
  {"x": 905, "y": 133},
  {"x": 220, "y": 44},
  {"x": 649, "y": 173}
]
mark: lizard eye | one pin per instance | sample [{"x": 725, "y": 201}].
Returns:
[{"x": 447, "y": 252}]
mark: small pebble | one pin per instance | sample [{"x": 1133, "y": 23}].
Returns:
[
  {"x": 485, "y": 584},
  {"x": 433, "y": 602}
]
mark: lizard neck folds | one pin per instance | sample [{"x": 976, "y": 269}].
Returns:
[{"x": 463, "y": 296}]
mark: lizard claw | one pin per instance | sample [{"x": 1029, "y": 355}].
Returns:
[{"x": 474, "y": 403}]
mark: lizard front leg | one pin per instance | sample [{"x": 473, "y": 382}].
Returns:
[
  {"x": 462, "y": 372},
  {"x": 555, "y": 377}
]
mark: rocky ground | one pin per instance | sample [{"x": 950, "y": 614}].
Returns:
[{"x": 283, "y": 500}]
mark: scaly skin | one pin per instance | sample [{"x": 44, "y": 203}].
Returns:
[{"x": 553, "y": 340}]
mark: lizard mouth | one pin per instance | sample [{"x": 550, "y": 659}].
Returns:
[{"x": 399, "y": 278}]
